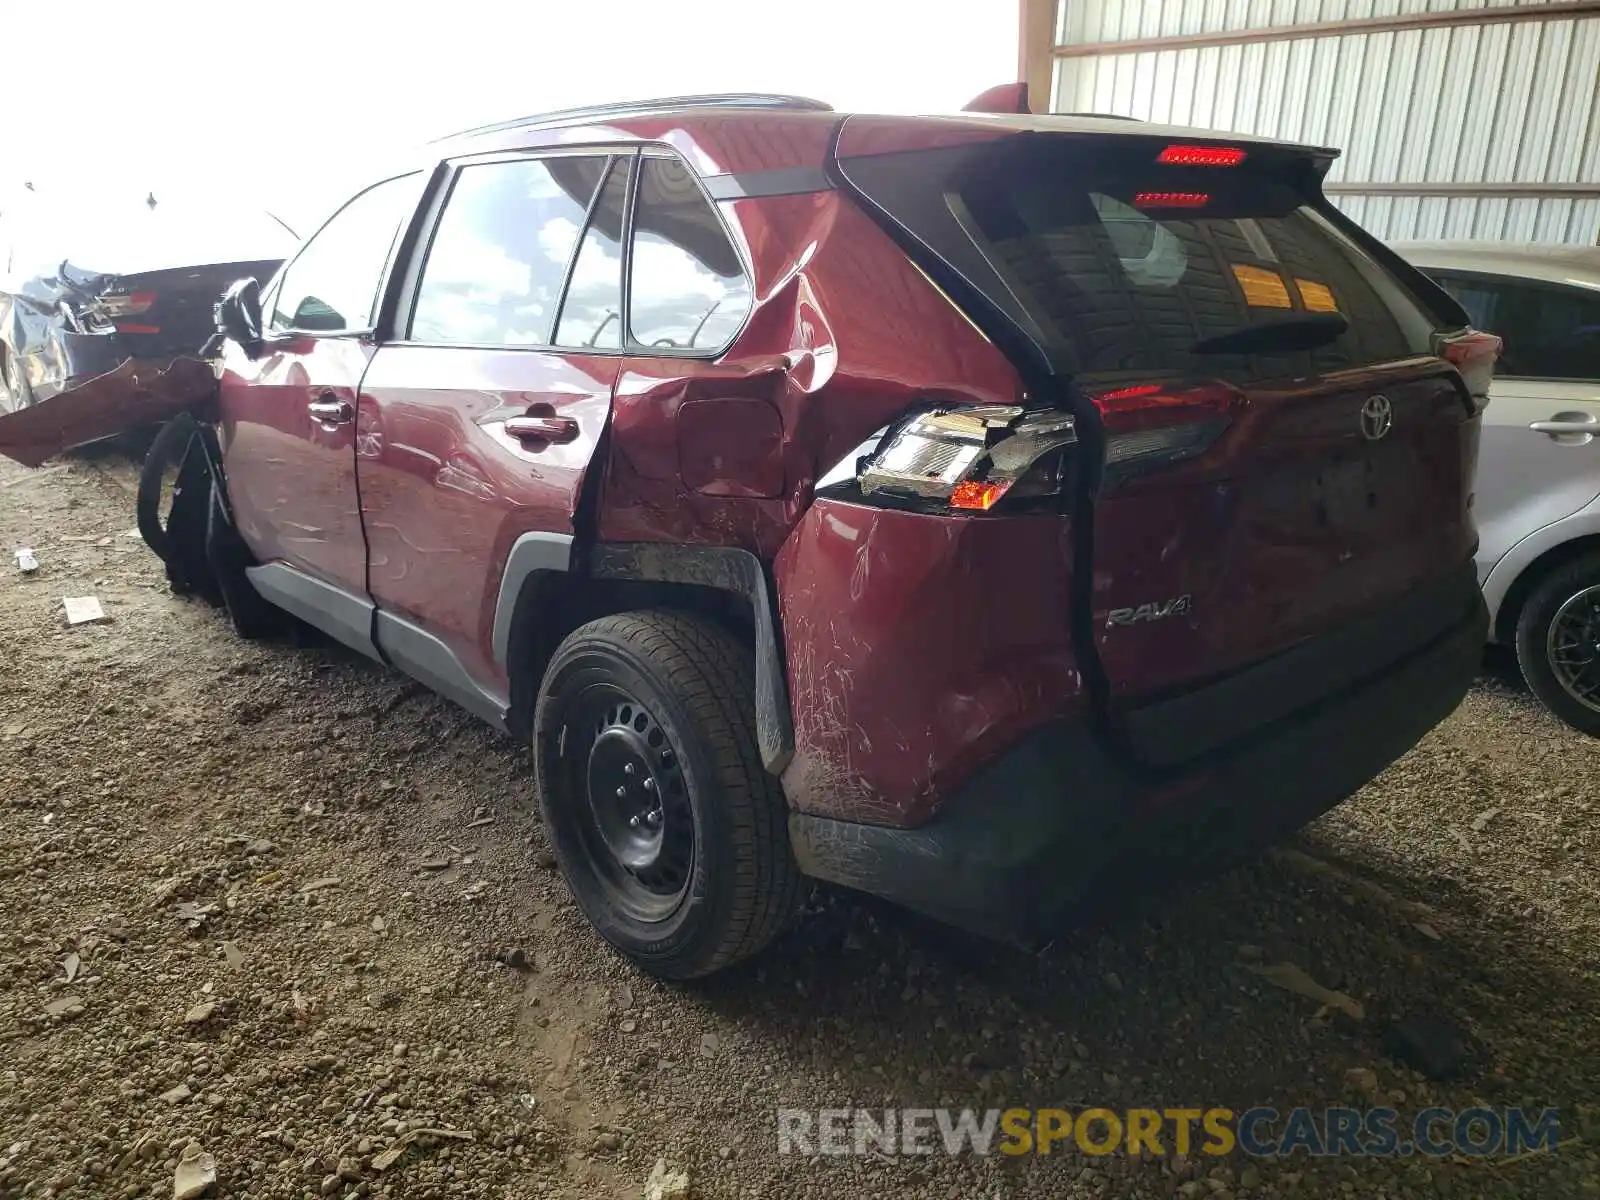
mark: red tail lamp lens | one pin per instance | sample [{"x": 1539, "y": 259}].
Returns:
[
  {"x": 1149, "y": 406},
  {"x": 1473, "y": 354},
  {"x": 1201, "y": 156}
]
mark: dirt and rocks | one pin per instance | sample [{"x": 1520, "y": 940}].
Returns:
[{"x": 277, "y": 923}]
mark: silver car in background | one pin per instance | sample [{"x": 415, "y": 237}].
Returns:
[{"x": 1538, "y": 487}]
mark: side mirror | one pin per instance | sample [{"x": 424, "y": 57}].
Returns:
[{"x": 238, "y": 316}]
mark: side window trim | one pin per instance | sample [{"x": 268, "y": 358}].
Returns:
[
  {"x": 631, "y": 344},
  {"x": 409, "y": 282},
  {"x": 410, "y": 277},
  {"x": 275, "y": 285},
  {"x": 410, "y": 233},
  {"x": 627, "y": 161}
]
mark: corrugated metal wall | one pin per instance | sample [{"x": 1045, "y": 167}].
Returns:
[{"x": 1469, "y": 104}]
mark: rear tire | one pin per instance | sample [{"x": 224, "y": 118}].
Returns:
[
  {"x": 1558, "y": 643},
  {"x": 671, "y": 834}
]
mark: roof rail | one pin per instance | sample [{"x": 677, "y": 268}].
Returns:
[
  {"x": 1103, "y": 116},
  {"x": 633, "y": 108}
]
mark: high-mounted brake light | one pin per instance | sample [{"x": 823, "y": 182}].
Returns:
[
  {"x": 1201, "y": 156},
  {"x": 1473, "y": 354},
  {"x": 1171, "y": 199}
]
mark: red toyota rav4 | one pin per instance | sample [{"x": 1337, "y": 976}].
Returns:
[{"x": 961, "y": 509}]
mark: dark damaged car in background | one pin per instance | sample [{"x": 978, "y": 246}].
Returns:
[{"x": 104, "y": 309}]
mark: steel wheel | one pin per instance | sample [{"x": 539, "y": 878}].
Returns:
[
  {"x": 1572, "y": 647},
  {"x": 638, "y": 828},
  {"x": 670, "y": 833}
]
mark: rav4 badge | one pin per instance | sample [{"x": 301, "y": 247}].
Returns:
[{"x": 1178, "y": 606}]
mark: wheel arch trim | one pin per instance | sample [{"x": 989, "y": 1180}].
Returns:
[
  {"x": 536, "y": 551},
  {"x": 726, "y": 569},
  {"x": 1511, "y": 574}
]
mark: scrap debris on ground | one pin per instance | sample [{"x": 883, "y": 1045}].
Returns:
[{"x": 279, "y": 924}]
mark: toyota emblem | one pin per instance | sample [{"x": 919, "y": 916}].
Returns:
[{"x": 1377, "y": 418}]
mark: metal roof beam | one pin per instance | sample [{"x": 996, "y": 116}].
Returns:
[{"x": 1559, "y": 10}]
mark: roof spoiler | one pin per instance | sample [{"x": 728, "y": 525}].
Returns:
[{"x": 1005, "y": 98}]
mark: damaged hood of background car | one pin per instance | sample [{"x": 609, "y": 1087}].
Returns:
[{"x": 88, "y": 352}]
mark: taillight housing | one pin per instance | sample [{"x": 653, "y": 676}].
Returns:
[
  {"x": 120, "y": 309},
  {"x": 130, "y": 305},
  {"x": 970, "y": 459},
  {"x": 1473, "y": 354},
  {"x": 1153, "y": 424}
]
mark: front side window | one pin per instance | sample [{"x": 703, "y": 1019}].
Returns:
[
  {"x": 502, "y": 249},
  {"x": 332, "y": 284},
  {"x": 689, "y": 289},
  {"x": 1548, "y": 331}
]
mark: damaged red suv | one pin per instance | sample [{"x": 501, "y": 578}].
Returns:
[{"x": 960, "y": 509}]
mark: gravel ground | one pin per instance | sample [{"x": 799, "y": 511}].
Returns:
[{"x": 282, "y": 904}]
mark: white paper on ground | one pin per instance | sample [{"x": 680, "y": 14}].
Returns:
[{"x": 83, "y": 609}]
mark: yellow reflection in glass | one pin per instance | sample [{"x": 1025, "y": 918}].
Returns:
[
  {"x": 1317, "y": 297},
  {"x": 1262, "y": 288}
]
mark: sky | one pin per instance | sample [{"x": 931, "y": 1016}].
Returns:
[{"x": 222, "y": 109}]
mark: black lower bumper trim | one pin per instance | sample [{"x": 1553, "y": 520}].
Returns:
[{"x": 1054, "y": 824}]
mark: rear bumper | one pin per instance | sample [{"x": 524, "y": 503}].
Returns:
[{"x": 1058, "y": 824}]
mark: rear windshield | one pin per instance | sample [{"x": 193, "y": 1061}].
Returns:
[
  {"x": 1135, "y": 266},
  {"x": 1129, "y": 264}
]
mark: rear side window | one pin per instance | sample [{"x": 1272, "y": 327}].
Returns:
[
  {"x": 500, "y": 254},
  {"x": 689, "y": 289},
  {"x": 332, "y": 284},
  {"x": 1136, "y": 267},
  {"x": 1549, "y": 331}
]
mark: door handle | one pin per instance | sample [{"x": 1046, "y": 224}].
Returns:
[
  {"x": 329, "y": 412},
  {"x": 543, "y": 429},
  {"x": 1574, "y": 425}
]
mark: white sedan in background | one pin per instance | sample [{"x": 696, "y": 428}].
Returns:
[{"x": 1538, "y": 487}]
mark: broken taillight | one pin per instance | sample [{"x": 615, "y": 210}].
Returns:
[
  {"x": 1473, "y": 354},
  {"x": 130, "y": 305},
  {"x": 120, "y": 308},
  {"x": 1148, "y": 425},
  {"x": 1201, "y": 156},
  {"x": 970, "y": 459}
]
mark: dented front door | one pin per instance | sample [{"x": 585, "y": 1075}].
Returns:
[{"x": 288, "y": 438}]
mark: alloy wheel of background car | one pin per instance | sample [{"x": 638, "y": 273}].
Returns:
[
  {"x": 670, "y": 833},
  {"x": 1573, "y": 646},
  {"x": 1558, "y": 643}
]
